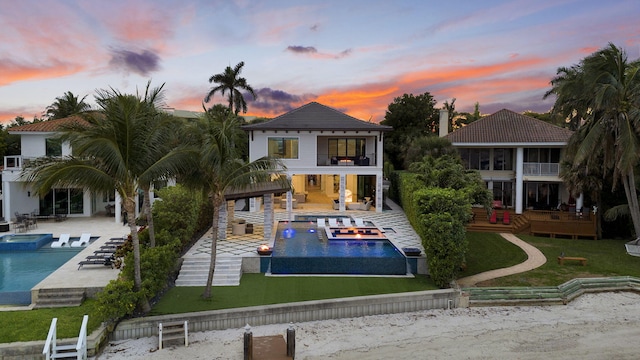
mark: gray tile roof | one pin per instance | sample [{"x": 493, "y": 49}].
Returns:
[
  {"x": 506, "y": 126},
  {"x": 315, "y": 116}
]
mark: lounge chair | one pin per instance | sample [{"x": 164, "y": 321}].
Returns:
[
  {"x": 346, "y": 222},
  {"x": 333, "y": 222},
  {"x": 84, "y": 240},
  {"x": 97, "y": 260},
  {"x": 321, "y": 222},
  {"x": 63, "y": 240},
  {"x": 359, "y": 222}
]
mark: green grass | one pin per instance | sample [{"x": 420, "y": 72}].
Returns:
[
  {"x": 489, "y": 251},
  {"x": 257, "y": 289},
  {"x": 605, "y": 258},
  {"x": 34, "y": 324}
]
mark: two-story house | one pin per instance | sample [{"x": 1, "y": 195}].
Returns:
[
  {"x": 518, "y": 157},
  {"x": 38, "y": 140},
  {"x": 325, "y": 150}
]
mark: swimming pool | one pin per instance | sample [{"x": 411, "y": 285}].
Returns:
[
  {"x": 22, "y": 270},
  {"x": 23, "y": 242},
  {"x": 300, "y": 249}
]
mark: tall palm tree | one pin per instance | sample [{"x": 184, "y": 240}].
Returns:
[
  {"x": 66, "y": 105},
  {"x": 112, "y": 151},
  {"x": 220, "y": 170},
  {"x": 230, "y": 81},
  {"x": 605, "y": 88}
]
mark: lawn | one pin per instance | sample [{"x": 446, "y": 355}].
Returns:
[
  {"x": 605, "y": 258},
  {"x": 489, "y": 251},
  {"x": 34, "y": 324},
  {"x": 257, "y": 289}
]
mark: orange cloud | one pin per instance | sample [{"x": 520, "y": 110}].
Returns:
[{"x": 14, "y": 72}]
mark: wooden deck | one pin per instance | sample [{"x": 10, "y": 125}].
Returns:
[{"x": 536, "y": 222}]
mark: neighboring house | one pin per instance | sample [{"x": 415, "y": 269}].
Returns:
[
  {"x": 38, "y": 140},
  {"x": 518, "y": 158},
  {"x": 324, "y": 150}
]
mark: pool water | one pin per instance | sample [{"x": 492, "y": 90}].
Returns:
[
  {"x": 300, "y": 248},
  {"x": 22, "y": 242},
  {"x": 22, "y": 270}
]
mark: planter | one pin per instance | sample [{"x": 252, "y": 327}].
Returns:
[
  {"x": 249, "y": 228},
  {"x": 238, "y": 228}
]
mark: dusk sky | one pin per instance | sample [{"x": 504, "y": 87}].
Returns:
[{"x": 355, "y": 56}]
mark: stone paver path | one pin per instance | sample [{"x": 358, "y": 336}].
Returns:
[{"x": 535, "y": 260}]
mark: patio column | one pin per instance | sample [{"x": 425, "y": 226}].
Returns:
[
  {"x": 268, "y": 216},
  {"x": 519, "y": 181},
  {"x": 343, "y": 188},
  {"x": 379, "y": 193},
  {"x": 222, "y": 222},
  {"x": 118, "y": 208},
  {"x": 580, "y": 202},
  {"x": 6, "y": 200}
]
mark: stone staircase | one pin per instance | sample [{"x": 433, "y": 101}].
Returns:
[
  {"x": 195, "y": 270},
  {"x": 49, "y": 298}
]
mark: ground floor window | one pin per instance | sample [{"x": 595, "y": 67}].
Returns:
[
  {"x": 503, "y": 192},
  {"x": 541, "y": 196},
  {"x": 62, "y": 202}
]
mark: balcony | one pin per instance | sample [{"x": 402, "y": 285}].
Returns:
[
  {"x": 14, "y": 162},
  {"x": 326, "y": 160},
  {"x": 541, "y": 169}
]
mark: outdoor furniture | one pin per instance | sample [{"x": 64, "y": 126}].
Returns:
[
  {"x": 63, "y": 240},
  {"x": 83, "y": 241},
  {"x": 505, "y": 218}
]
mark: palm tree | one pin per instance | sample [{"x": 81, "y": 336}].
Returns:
[
  {"x": 66, "y": 105},
  {"x": 220, "y": 170},
  {"x": 605, "y": 89},
  {"x": 112, "y": 151},
  {"x": 230, "y": 81}
]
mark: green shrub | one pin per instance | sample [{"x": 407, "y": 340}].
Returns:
[
  {"x": 156, "y": 265},
  {"x": 117, "y": 300},
  {"x": 443, "y": 213},
  {"x": 177, "y": 214}
]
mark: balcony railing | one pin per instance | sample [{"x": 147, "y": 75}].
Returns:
[
  {"x": 541, "y": 169},
  {"x": 13, "y": 162},
  {"x": 326, "y": 160}
]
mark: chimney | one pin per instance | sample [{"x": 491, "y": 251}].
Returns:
[{"x": 444, "y": 122}]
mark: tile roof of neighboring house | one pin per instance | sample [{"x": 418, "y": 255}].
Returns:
[
  {"x": 46, "y": 126},
  {"x": 315, "y": 116},
  {"x": 506, "y": 126}
]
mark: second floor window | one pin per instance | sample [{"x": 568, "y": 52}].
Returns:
[
  {"x": 347, "y": 147},
  {"x": 475, "y": 159},
  {"x": 283, "y": 147},
  {"x": 53, "y": 147}
]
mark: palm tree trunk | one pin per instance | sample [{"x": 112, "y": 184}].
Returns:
[
  {"x": 628, "y": 180},
  {"x": 214, "y": 243},
  {"x": 146, "y": 206},
  {"x": 130, "y": 207}
]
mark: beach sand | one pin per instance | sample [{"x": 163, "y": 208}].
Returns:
[{"x": 594, "y": 326}]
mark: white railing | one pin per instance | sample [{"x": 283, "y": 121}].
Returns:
[
  {"x": 13, "y": 162},
  {"x": 81, "y": 346},
  {"x": 50, "y": 344},
  {"x": 541, "y": 169},
  {"x": 50, "y": 350}
]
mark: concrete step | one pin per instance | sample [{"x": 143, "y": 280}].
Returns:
[
  {"x": 195, "y": 271},
  {"x": 49, "y": 298}
]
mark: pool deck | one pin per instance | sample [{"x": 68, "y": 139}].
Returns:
[{"x": 68, "y": 275}]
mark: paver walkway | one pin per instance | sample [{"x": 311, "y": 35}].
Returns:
[{"x": 535, "y": 259}]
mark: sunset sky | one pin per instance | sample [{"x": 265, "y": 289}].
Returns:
[{"x": 355, "y": 56}]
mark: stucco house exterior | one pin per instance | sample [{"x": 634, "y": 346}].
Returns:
[
  {"x": 518, "y": 157},
  {"x": 325, "y": 150}
]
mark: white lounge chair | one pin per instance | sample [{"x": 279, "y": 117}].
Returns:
[
  {"x": 333, "y": 222},
  {"x": 359, "y": 222},
  {"x": 346, "y": 222},
  {"x": 321, "y": 223},
  {"x": 63, "y": 240},
  {"x": 84, "y": 240}
]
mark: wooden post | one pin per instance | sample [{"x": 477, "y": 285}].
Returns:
[
  {"x": 248, "y": 343},
  {"x": 291, "y": 341}
]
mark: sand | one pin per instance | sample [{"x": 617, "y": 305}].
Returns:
[{"x": 594, "y": 326}]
